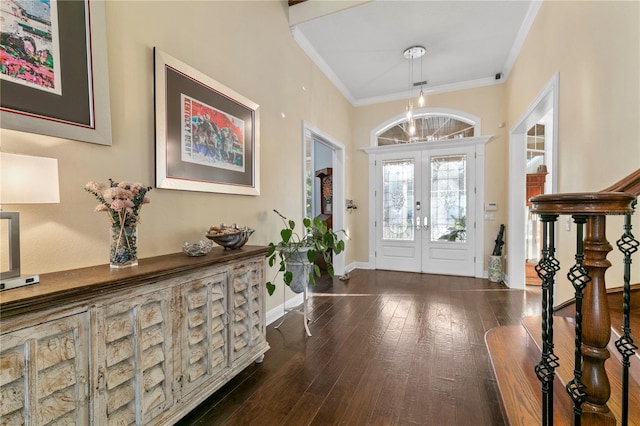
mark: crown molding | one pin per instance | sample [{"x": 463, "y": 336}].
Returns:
[
  {"x": 312, "y": 9},
  {"x": 530, "y": 17},
  {"x": 424, "y": 146},
  {"x": 463, "y": 85},
  {"x": 303, "y": 42}
]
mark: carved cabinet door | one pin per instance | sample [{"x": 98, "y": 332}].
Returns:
[
  {"x": 247, "y": 308},
  {"x": 204, "y": 331},
  {"x": 43, "y": 373},
  {"x": 134, "y": 359}
]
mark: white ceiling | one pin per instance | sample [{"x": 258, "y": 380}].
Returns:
[{"x": 359, "y": 45}]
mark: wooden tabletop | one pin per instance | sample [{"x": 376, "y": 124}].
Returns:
[{"x": 57, "y": 288}]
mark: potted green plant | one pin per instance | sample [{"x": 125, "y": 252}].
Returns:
[{"x": 296, "y": 252}]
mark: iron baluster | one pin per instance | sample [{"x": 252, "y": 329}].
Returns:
[
  {"x": 546, "y": 269},
  {"x": 595, "y": 320},
  {"x": 579, "y": 278},
  {"x": 627, "y": 245}
]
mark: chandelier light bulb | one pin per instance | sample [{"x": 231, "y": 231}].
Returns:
[
  {"x": 409, "y": 112},
  {"x": 412, "y": 128},
  {"x": 421, "y": 99}
]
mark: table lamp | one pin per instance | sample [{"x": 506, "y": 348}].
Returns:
[{"x": 24, "y": 179}]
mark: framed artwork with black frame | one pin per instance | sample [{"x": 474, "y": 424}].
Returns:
[
  {"x": 207, "y": 135},
  {"x": 54, "y": 74}
]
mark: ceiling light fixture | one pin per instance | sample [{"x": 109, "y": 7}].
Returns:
[{"x": 412, "y": 53}]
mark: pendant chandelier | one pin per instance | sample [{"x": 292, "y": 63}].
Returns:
[{"x": 412, "y": 53}]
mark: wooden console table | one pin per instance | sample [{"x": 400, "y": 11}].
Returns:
[{"x": 143, "y": 345}]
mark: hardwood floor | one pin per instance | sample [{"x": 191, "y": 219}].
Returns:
[{"x": 387, "y": 348}]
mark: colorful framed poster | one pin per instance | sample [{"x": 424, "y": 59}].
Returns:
[
  {"x": 53, "y": 69},
  {"x": 207, "y": 135}
]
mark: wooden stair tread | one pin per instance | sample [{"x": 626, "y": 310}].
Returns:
[
  {"x": 616, "y": 332},
  {"x": 513, "y": 356},
  {"x": 563, "y": 331}
]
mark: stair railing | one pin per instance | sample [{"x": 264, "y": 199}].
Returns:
[{"x": 589, "y": 388}]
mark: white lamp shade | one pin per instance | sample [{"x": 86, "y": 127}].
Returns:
[{"x": 28, "y": 180}]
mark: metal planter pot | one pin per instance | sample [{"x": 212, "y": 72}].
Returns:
[{"x": 298, "y": 264}]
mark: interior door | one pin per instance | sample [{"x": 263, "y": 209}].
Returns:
[{"x": 425, "y": 211}]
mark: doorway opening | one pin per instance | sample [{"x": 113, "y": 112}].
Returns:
[
  {"x": 533, "y": 170},
  {"x": 323, "y": 183},
  {"x": 536, "y": 181}
]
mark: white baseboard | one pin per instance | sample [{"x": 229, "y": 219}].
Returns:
[
  {"x": 358, "y": 265},
  {"x": 505, "y": 280},
  {"x": 277, "y": 312}
]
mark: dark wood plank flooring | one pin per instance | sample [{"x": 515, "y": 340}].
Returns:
[{"x": 388, "y": 348}]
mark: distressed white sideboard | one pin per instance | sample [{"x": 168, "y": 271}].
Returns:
[{"x": 143, "y": 345}]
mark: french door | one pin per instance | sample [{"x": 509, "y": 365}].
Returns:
[{"x": 425, "y": 211}]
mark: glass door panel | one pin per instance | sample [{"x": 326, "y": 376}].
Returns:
[
  {"x": 398, "y": 200},
  {"x": 449, "y": 198}
]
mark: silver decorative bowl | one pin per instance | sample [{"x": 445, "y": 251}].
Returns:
[
  {"x": 197, "y": 249},
  {"x": 232, "y": 240}
]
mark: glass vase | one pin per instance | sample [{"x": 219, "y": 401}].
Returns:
[{"x": 123, "y": 250}]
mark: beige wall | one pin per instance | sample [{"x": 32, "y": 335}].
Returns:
[
  {"x": 247, "y": 47},
  {"x": 597, "y": 58},
  {"x": 595, "y": 47},
  {"x": 486, "y": 103}
]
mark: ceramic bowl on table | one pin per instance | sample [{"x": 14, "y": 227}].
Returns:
[{"x": 229, "y": 237}]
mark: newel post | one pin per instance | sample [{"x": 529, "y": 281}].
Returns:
[{"x": 596, "y": 325}]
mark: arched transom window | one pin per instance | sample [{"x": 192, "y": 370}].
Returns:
[{"x": 429, "y": 127}]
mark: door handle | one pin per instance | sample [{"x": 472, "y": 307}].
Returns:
[
  {"x": 425, "y": 224},
  {"x": 417, "y": 223}
]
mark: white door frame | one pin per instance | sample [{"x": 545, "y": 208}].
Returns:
[
  {"x": 479, "y": 142},
  {"x": 546, "y": 100},
  {"x": 338, "y": 185}
]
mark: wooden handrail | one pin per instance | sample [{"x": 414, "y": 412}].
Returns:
[
  {"x": 587, "y": 203},
  {"x": 629, "y": 184}
]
